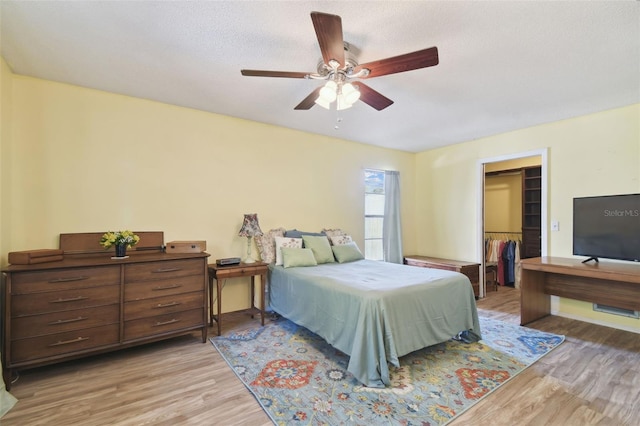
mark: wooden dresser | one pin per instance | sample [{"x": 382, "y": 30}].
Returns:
[
  {"x": 89, "y": 303},
  {"x": 470, "y": 269}
]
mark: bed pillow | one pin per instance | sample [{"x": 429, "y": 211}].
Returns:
[
  {"x": 286, "y": 243},
  {"x": 267, "y": 244},
  {"x": 347, "y": 252},
  {"x": 294, "y": 233},
  {"x": 333, "y": 232},
  {"x": 338, "y": 240},
  {"x": 320, "y": 247},
  {"x": 293, "y": 257}
]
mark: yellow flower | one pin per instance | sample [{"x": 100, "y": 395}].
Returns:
[{"x": 126, "y": 237}]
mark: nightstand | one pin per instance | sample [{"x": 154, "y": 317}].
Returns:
[{"x": 218, "y": 273}]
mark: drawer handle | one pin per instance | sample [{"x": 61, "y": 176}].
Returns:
[
  {"x": 65, "y": 280},
  {"x": 60, "y": 321},
  {"x": 168, "y": 287},
  {"x": 71, "y": 299},
  {"x": 161, "y": 270},
  {"x": 66, "y": 342},
  {"x": 166, "y": 322},
  {"x": 166, "y": 305}
]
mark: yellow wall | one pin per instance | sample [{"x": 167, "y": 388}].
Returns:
[
  {"x": 5, "y": 144},
  {"x": 503, "y": 203},
  {"x": 596, "y": 154},
  {"x": 83, "y": 160},
  {"x": 503, "y": 195},
  {"x": 516, "y": 163}
]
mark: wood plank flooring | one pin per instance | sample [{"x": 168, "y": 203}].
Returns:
[{"x": 593, "y": 378}]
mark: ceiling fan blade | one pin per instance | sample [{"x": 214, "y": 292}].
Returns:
[
  {"x": 329, "y": 32},
  {"x": 371, "y": 97},
  {"x": 285, "y": 74},
  {"x": 310, "y": 100},
  {"x": 407, "y": 62}
]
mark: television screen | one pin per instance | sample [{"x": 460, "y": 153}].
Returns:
[{"x": 607, "y": 226}]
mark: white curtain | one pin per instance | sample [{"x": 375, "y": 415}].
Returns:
[{"x": 391, "y": 229}]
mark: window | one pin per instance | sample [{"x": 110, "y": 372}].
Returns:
[{"x": 373, "y": 213}]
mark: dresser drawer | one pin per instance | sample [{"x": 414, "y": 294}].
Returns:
[
  {"x": 58, "y": 322},
  {"x": 63, "y": 343},
  {"x": 151, "y": 289},
  {"x": 245, "y": 270},
  {"x": 64, "y": 279},
  {"x": 473, "y": 272},
  {"x": 163, "y": 270},
  {"x": 57, "y": 301},
  {"x": 163, "y": 305},
  {"x": 153, "y": 326}
]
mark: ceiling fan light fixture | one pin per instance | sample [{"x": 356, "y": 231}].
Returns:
[
  {"x": 323, "y": 102},
  {"x": 328, "y": 92},
  {"x": 341, "y": 103},
  {"x": 350, "y": 93}
]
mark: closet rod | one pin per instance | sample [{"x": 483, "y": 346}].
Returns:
[{"x": 501, "y": 232}]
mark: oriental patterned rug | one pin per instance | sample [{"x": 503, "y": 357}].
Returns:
[{"x": 299, "y": 379}]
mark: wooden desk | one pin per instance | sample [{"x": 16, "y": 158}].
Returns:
[
  {"x": 607, "y": 283},
  {"x": 219, "y": 273},
  {"x": 470, "y": 269}
]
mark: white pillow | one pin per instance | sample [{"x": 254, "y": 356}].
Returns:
[
  {"x": 338, "y": 240},
  {"x": 286, "y": 242}
]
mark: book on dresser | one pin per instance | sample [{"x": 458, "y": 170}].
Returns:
[
  {"x": 89, "y": 303},
  {"x": 29, "y": 257}
]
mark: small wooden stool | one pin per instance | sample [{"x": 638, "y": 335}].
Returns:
[{"x": 491, "y": 276}]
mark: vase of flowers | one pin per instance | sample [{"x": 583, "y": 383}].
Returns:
[
  {"x": 121, "y": 250},
  {"x": 121, "y": 240}
]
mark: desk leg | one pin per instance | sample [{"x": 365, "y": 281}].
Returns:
[
  {"x": 210, "y": 300},
  {"x": 263, "y": 284},
  {"x": 219, "y": 292},
  {"x": 534, "y": 303}
]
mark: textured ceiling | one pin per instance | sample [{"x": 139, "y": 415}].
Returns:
[{"x": 503, "y": 65}]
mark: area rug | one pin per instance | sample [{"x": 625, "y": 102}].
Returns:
[{"x": 299, "y": 379}]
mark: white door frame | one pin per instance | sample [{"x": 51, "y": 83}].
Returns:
[{"x": 480, "y": 210}]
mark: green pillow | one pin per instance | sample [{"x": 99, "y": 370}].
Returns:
[
  {"x": 320, "y": 247},
  {"x": 347, "y": 252},
  {"x": 292, "y": 257}
]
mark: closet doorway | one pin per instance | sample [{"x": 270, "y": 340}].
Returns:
[{"x": 512, "y": 216}]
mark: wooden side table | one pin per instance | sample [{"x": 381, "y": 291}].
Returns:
[{"x": 219, "y": 273}]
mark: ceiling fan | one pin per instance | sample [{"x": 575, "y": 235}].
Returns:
[{"x": 341, "y": 71}]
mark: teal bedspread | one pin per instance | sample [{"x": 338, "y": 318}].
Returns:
[{"x": 375, "y": 312}]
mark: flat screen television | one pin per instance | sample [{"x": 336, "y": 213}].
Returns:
[{"x": 607, "y": 226}]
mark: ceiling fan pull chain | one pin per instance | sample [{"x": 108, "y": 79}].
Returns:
[{"x": 338, "y": 120}]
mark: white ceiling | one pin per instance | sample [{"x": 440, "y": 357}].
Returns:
[{"x": 503, "y": 65}]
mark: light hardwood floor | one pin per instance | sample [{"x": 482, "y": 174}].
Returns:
[{"x": 593, "y": 378}]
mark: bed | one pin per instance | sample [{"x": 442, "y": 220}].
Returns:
[{"x": 375, "y": 312}]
